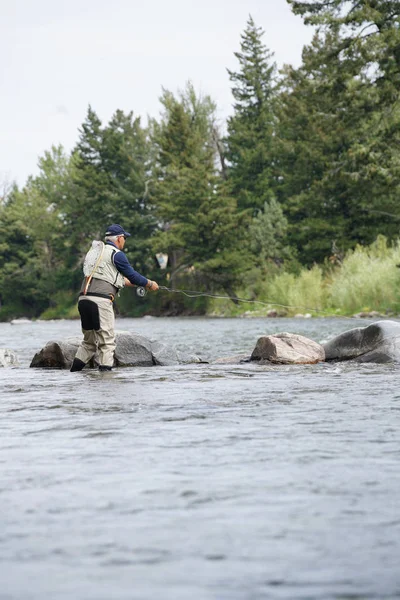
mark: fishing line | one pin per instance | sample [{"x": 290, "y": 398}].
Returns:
[
  {"x": 141, "y": 291},
  {"x": 196, "y": 294}
]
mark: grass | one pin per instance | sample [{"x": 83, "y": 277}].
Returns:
[{"x": 367, "y": 280}]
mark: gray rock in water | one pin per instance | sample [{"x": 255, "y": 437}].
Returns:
[
  {"x": 189, "y": 359},
  {"x": 8, "y": 358},
  {"x": 368, "y": 315},
  {"x": 57, "y": 354},
  {"x": 164, "y": 355},
  {"x": 167, "y": 356},
  {"x": 287, "y": 349},
  {"x": 132, "y": 350},
  {"x": 232, "y": 360},
  {"x": 378, "y": 342}
]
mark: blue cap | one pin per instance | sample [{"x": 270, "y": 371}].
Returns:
[{"x": 117, "y": 230}]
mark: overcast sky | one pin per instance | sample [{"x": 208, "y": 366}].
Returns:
[{"x": 57, "y": 57}]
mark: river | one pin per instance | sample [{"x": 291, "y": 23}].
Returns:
[{"x": 201, "y": 482}]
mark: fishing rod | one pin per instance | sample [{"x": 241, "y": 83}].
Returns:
[{"x": 142, "y": 292}]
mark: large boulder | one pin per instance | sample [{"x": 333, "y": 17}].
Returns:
[
  {"x": 288, "y": 349},
  {"x": 56, "y": 354},
  {"x": 132, "y": 350},
  {"x": 378, "y": 342},
  {"x": 8, "y": 358}
]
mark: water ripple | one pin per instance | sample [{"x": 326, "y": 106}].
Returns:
[{"x": 206, "y": 481}]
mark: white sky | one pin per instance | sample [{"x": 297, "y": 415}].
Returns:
[{"x": 57, "y": 57}]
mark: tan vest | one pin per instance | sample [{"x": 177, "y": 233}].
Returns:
[{"x": 107, "y": 271}]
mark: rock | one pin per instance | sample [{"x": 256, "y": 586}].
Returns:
[
  {"x": 163, "y": 355},
  {"x": 273, "y": 314},
  {"x": 8, "y": 358},
  {"x": 21, "y": 321},
  {"x": 132, "y": 350},
  {"x": 288, "y": 348},
  {"x": 232, "y": 360},
  {"x": 368, "y": 315},
  {"x": 168, "y": 356},
  {"x": 378, "y": 342},
  {"x": 190, "y": 359},
  {"x": 57, "y": 354}
]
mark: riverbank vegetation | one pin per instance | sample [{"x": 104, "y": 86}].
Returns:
[
  {"x": 293, "y": 201},
  {"x": 367, "y": 280}
]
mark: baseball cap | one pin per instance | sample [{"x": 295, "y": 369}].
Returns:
[{"x": 116, "y": 229}]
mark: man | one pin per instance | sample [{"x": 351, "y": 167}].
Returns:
[{"x": 110, "y": 273}]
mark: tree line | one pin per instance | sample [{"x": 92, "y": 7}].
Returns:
[{"x": 305, "y": 168}]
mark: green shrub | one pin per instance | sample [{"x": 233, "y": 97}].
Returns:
[
  {"x": 368, "y": 279},
  {"x": 303, "y": 293},
  {"x": 64, "y": 306}
]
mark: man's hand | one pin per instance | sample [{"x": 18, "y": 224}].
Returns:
[{"x": 152, "y": 285}]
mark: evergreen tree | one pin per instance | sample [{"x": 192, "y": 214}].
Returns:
[
  {"x": 339, "y": 128},
  {"x": 91, "y": 207},
  {"x": 251, "y": 128},
  {"x": 198, "y": 221},
  {"x": 126, "y": 158},
  {"x": 112, "y": 165},
  {"x": 267, "y": 234},
  {"x": 56, "y": 187},
  {"x": 29, "y": 262}
]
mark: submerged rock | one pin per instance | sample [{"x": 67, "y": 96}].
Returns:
[
  {"x": 132, "y": 350},
  {"x": 8, "y": 358},
  {"x": 288, "y": 348},
  {"x": 166, "y": 356},
  {"x": 232, "y": 360},
  {"x": 378, "y": 342}
]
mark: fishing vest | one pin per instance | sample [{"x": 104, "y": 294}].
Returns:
[{"x": 107, "y": 271}]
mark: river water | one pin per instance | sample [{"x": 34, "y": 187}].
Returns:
[{"x": 201, "y": 482}]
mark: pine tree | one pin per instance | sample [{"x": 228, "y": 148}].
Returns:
[
  {"x": 198, "y": 221},
  {"x": 112, "y": 166},
  {"x": 56, "y": 187},
  {"x": 339, "y": 128},
  {"x": 251, "y": 128},
  {"x": 92, "y": 208},
  {"x": 30, "y": 231},
  {"x": 126, "y": 156},
  {"x": 267, "y": 234}
]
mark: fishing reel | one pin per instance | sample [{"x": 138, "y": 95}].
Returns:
[{"x": 141, "y": 291}]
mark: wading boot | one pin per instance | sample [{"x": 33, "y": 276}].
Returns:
[
  {"x": 104, "y": 368},
  {"x": 77, "y": 365}
]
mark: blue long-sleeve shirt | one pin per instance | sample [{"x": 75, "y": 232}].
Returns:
[{"x": 122, "y": 264}]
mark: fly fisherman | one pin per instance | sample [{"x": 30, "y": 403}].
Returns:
[{"x": 110, "y": 272}]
